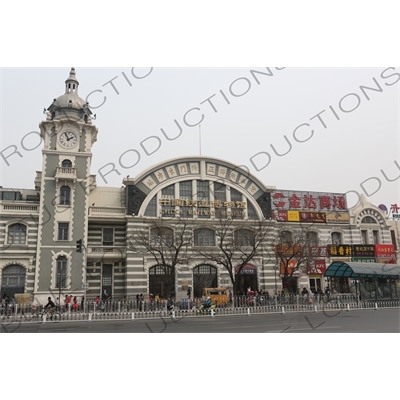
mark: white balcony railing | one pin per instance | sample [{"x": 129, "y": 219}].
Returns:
[{"x": 19, "y": 208}]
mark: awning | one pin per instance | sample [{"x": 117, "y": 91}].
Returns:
[{"x": 362, "y": 270}]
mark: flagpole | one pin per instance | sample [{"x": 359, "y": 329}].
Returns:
[{"x": 200, "y": 138}]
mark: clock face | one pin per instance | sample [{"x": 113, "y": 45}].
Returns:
[{"x": 68, "y": 139}]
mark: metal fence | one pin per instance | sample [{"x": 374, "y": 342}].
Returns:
[{"x": 240, "y": 305}]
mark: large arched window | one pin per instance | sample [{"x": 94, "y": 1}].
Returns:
[
  {"x": 61, "y": 272},
  {"x": 204, "y": 237},
  {"x": 13, "y": 280},
  {"x": 204, "y": 276},
  {"x": 162, "y": 281},
  {"x": 368, "y": 220},
  {"x": 17, "y": 234},
  {"x": 65, "y": 195}
]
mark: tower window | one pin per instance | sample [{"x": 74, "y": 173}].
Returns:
[
  {"x": 61, "y": 272},
  {"x": 66, "y": 164},
  {"x": 65, "y": 195},
  {"x": 63, "y": 231}
]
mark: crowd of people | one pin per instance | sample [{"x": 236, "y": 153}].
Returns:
[{"x": 7, "y": 304}]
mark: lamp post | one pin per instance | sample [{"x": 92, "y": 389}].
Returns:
[{"x": 275, "y": 269}]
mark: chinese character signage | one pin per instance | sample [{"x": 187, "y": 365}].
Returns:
[
  {"x": 364, "y": 250},
  {"x": 308, "y": 201},
  {"x": 340, "y": 250},
  {"x": 299, "y": 216},
  {"x": 384, "y": 250},
  {"x": 318, "y": 217},
  {"x": 364, "y": 260}
]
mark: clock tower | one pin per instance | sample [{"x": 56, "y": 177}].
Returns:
[{"x": 64, "y": 183}]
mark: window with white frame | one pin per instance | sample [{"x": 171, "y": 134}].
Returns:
[
  {"x": 204, "y": 237},
  {"x": 16, "y": 234},
  {"x": 63, "y": 231},
  {"x": 108, "y": 236},
  {"x": 65, "y": 195},
  {"x": 336, "y": 238},
  {"x": 61, "y": 272}
]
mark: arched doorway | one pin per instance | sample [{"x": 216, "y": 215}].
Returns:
[
  {"x": 246, "y": 278},
  {"x": 204, "y": 276},
  {"x": 162, "y": 281},
  {"x": 13, "y": 280}
]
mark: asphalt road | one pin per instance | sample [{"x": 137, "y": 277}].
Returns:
[{"x": 357, "y": 321}]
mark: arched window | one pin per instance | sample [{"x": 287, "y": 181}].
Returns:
[
  {"x": 368, "y": 220},
  {"x": 13, "y": 280},
  {"x": 244, "y": 237},
  {"x": 162, "y": 236},
  {"x": 61, "y": 272},
  {"x": 312, "y": 238},
  {"x": 17, "y": 234},
  {"x": 162, "y": 281},
  {"x": 65, "y": 195},
  {"x": 285, "y": 237},
  {"x": 204, "y": 237},
  {"x": 66, "y": 164},
  {"x": 336, "y": 238},
  {"x": 204, "y": 276}
]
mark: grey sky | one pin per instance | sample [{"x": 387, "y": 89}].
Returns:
[{"x": 262, "y": 110}]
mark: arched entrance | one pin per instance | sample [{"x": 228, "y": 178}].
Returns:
[
  {"x": 204, "y": 276},
  {"x": 13, "y": 280},
  {"x": 162, "y": 281},
  {"x": 246, "y": 278}
]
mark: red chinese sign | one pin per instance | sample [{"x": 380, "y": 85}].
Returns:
[
  {"x": 384, "y": 250},
  {"x": 293, "y": 200}
]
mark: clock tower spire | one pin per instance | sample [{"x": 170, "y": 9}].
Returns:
[
  {"x": 71, "y": 84},
  {"x": 68, "y": 135}
]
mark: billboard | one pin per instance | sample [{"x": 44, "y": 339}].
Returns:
[{"x": 308, "y": 201}]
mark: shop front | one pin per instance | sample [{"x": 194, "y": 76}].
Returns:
[{"x": 369, "y": 281}]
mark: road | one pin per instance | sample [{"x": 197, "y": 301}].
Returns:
[{"x": 357, "y": 321}]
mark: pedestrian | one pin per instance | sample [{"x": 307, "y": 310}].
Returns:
[
  {"x": 82, "y": 303},
  {"x": 327, "y": 293},
  {"x": 75, "y": 305}
]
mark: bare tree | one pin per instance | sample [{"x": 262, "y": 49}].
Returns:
[
  {"x": 236, "y": 244},
  {"x": 166, "y": 241},
  {"x": 296, "y": 248}
]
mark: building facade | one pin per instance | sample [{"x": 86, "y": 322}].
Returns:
[{"x": 178, "y": 227}]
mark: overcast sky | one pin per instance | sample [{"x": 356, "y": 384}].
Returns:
[{"x": 338, "y": 136}]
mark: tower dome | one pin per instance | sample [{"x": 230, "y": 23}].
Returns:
[{"x": 70, "y": 104}]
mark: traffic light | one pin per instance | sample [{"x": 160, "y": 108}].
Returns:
[{"x": 79, "y": 246}]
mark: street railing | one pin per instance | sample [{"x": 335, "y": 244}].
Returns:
[{"x": 240, "y": 305}]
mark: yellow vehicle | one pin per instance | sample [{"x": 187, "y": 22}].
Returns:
[{"x": 219, "y": 296}]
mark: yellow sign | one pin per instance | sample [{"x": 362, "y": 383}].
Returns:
[{"x": 293, "y": 216}]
